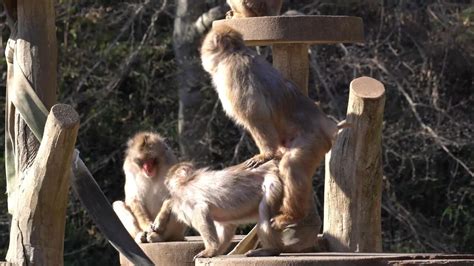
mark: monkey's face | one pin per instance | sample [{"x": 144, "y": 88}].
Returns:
[{"x": 148, "y": 152}]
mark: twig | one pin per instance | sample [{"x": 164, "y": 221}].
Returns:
[
  {"x": 417, "y": 228},
  {"x": 80, "y": 250},
  {"x": 237, "y": 147},
  {"x": 126, "y": 66},
  {"x": 124, "y": 28},
  {"x": 316, "y": 71},
  {"x": 431, "y": 132}
]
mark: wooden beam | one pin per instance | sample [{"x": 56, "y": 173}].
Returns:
[
  {"x": 37, "y": 232},
  {"x": 353, "y": 183}
]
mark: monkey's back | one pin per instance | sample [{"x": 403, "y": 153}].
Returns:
[{"x": 229, "y": 194}]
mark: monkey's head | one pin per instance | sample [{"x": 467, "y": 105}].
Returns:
[
  {"x": 221, "y": 40},
  {"x": 150, "y": 153},
  {"x": 180, "y": 174}
]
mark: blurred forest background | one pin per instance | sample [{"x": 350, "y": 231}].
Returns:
[{"x": 133, "y": 65}]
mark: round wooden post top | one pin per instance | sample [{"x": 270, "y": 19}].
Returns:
[
  {"x": 367, "y": 88},
  {"x": 297, "y": 29}
]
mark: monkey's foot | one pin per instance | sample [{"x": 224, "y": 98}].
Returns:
[
  {"x": 141, "y": 237},
  {"x": 207, "y": 253},
  {"x": 263, "y": 252},
  {"x": 258, "y": 160},
  {"x": 153, "y": 237},
  {"x": 282, "y": 221}
]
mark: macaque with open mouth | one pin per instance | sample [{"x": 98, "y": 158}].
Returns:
[{"x": 147, "y": 161}]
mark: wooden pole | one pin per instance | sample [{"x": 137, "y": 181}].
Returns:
[
  {"x": 35, "y": 57},
  {"x": 353, "y": 183},
  {"x": 37, "y": 232},
  {"x": 293, "y": 62}
]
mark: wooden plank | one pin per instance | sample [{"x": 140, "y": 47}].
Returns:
[
  {"x": 342, "y": 259},
  {"x": 297, "y": 29}
]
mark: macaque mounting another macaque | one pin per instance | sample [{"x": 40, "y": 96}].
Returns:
[
  {"x": 147, "y": 160},
  {"x": 283, "y": 122},
  {"x": 253, "y": 8},
  {"x": 215, "y": 202}
]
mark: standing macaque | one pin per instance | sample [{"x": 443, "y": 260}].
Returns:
[
  {"x": 253, "y": 8},
  {"x": 147, "y": 160},
  {"x": 215, "y": 202},
  {"x": 283, "y": 122}
]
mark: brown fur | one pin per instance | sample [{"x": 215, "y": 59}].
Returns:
[
  {"x": 282, "y": 121},
  {"x": 253, "y": 8},
  {"x": 147, "y": 160}
]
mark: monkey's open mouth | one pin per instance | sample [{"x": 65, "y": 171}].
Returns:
[{"x": 149, "y": 167}]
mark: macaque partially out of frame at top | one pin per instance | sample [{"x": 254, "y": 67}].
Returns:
[
  {"x": 147, "y": 160},
  {"x": 253, "y": 8},
  {"x": 283, "y": 122},
  {"x": 216, "y": 202}
]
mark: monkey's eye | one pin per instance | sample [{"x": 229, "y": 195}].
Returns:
[{"x": 138, "y": 161}]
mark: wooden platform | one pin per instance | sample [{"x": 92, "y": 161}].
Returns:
[
  {"x": 182, "y": 253},
  {"x": 339, "y": 259}
]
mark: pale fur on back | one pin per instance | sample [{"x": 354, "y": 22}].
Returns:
[{"x": 222, "y": 190}]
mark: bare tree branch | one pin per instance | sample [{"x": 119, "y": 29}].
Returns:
[{"x": 437, "y": 139}]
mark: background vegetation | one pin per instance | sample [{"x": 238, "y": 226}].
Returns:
[{"x": 118, "y": 69}]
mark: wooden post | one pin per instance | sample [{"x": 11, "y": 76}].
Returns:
[
  {"x": 293, "y": 62},
  {"x": 37, "y": 232},
  {"x": 353, "y": 184},
  {"x": 35, "y": 57}
]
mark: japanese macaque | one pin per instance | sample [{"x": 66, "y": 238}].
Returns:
[
  {"x": 253, "y": 8},
  {"x": 147, "y": 160},
  {"x": 215, "y": 202},
  {"x": 283, "y": 122}
]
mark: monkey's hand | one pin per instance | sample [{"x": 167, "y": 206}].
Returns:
[
  {"x": 281, "y": 222},
  {"x": 258, "y": 160},
  {"x": 141, "y": 237}
]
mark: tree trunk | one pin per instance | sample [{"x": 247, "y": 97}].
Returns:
[
  {"x": 353, "y": 184},
  {"x": 190, "y": 23},
  {"x": 37, "y": 233}
]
